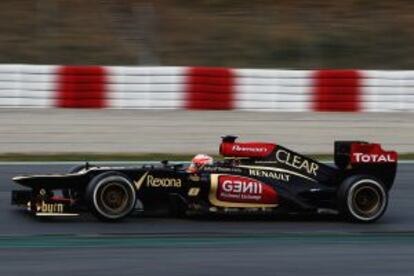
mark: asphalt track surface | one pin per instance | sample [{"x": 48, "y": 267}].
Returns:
[{"x": 155, "y": 246}]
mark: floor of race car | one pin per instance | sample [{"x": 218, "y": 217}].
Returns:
[{"x": 151, "y": 246}]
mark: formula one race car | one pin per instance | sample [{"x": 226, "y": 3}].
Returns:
[{"x": 254, "y": 178}]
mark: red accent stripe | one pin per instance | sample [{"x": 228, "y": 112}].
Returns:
[
  {"x": 81, "y": 87},
  {"x": 209, "y": 88},
  {"x": 337, "y": 90},
  {"x": 251, "y": 149}
]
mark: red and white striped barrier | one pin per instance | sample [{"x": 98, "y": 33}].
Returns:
[{"x": 201, "y": 88}]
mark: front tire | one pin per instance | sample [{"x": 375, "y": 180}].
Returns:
[
  {"x": 362, "y": 198},
  {"x": 110, "y": 196}
]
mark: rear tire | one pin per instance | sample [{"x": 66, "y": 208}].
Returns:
[
  {"x": 362, "y": 198},
  {"x": 110, "y": 196}
]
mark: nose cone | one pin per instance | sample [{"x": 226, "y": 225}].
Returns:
[{"x": 24, "y": 180}]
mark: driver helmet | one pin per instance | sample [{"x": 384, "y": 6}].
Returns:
[{"x": 200, "y": 160}]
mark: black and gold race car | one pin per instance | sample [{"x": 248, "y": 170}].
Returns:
[{"x": 253, "y": 178}]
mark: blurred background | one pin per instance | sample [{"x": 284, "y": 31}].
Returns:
[
  {"x": 131, "y": 80},
  {"x": 304, "y": 34},
  {"x": 194, "y": 59}
]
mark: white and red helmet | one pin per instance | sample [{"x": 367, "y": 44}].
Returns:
[{"x": 200, "y": 160}]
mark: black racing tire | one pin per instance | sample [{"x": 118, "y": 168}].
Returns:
[
  {"x": 110, "y": 196},
  {"x": 362, "y": 198}
]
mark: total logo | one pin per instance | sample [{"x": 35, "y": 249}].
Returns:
[
  {"x": 248, "y": 149},
  {"x": 359, "y": 157}
]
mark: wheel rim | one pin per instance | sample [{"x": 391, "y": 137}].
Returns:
[
  {"x": 114, "y": 198},
  {"x": 367, "y": 200}
]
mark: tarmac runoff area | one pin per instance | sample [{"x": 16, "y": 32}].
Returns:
[
  {"x": 34, "y": 131},
  {"x": 156, "y": 246}
]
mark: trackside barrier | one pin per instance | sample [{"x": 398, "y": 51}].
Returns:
[
  {"x": 209, "y": 88},
  {"x": 205, "y": 88},
  {"x": 338, "y": 90},
  {"x": 79, "y": 86}
]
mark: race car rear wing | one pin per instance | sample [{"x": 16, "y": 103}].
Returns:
[
  {"x": 359, "y": 152},
  {"x": 364, "y": 157}
]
